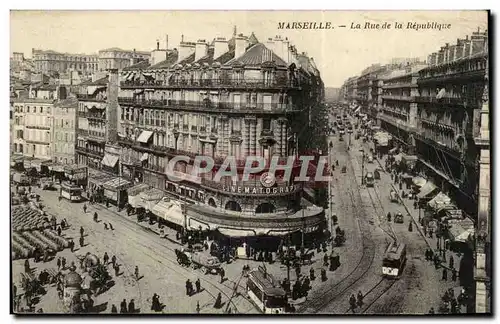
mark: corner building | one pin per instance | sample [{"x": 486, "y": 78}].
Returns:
[{"x": 238, "y": 98}]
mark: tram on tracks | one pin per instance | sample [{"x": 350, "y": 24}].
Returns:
[
  {"x": 266, "y": 293},
  {"x": 394, "y": 260}
]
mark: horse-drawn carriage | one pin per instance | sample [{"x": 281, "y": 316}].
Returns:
[
  {"x": 44, "y": 255},
  {"x": 199, "y": 260}
]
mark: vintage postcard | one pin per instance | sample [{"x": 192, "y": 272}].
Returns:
[{"x": 250, "y": 162}]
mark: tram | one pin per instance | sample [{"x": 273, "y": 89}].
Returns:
[
  {"x": 394, "y": 260},
  {"x": 265, "y": 292},
  {"x": 71, "y": 192}
]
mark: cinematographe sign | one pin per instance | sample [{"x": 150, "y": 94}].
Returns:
[{"x": 256, "y": 190}]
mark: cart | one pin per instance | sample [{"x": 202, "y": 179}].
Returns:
[
  {"x": 394, "y": 196},
  {"x": 376, "y": 174},
  {"x": 344, "y": 169},
  {"x": 399, "y": 218},
  {"x": 207, "y": 263}
]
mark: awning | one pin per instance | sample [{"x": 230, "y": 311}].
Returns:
[
  {"x": 441, "y": 201},
  {"x": 419, "y": 181},
  {"x": 145, "y": 157},
  {"x": 117, "y": 184},
  {"x": 459, "y": 234},
  {"x": 170, "y": 211},
  {"x": 237, "y": 232},
  {"x": 196, "y": 225},
  {"x": 145, "y": 136},
  {"x": 109, "y": 160},
  {"x": 426, "y": 189}
]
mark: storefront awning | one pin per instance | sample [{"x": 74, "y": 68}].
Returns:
[
  {"x": 145, "y": 157},
  {"x": 144, "y": 137},
  {"x": 419, "y": 181},
  {"x": 426, "y": 189},
  {"x": 231, "y": 232},
  {"x": 109, "y": 160},
  {"x": 460, "y": 234},
  {"x": 170, "y": 211},
  {"x": 441, "y": 201}
]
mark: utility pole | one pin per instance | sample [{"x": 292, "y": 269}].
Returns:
[{"x": 363, "y": 167}]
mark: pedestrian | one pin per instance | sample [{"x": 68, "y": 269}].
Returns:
[
  {"x": 123, "y": 306},
  {"x": 410, "y": 227},
  {"x": 453, "y": 274},
  {"x": 311, "y": 274},
  {"x": 188, "y": 284},
  {"x": 445, "y": 275},
  {"x": 27, "y": 267},
  {"x": 105, "y": 258},
  {"x": 323, "y": 275},
  {"x": 117, "y": 270},
  {"x": 96, "y": 217},
  {"x": 113, "y": 309},
  {"x": 222, "y": 275},
  {"x": 360, "y": 299},
  {"x": 113, "y": 260},
  {"x": 81, "y": 231},
  {"x": 198, "y": 285},
  {"x": 430, "y": 232},
  {"x": 325, "y": 260},
  {"x": 59, "y": 230},
  {"x": 198, "y": 307},
  {"x": 452, "y": 262},
  {"x": 105, "y": 226},
  {"x": 63, "y": 263},
  {"x": 58, "y": 263},
  {"x": 111, "y": 227},
  {"x": 352, "y": 302},
  {"x": 85, "y": 208},
  {"x": 136, "y": 272},
  {"x": 218, "y": 301},
  {"x": 131, "y": 306}
]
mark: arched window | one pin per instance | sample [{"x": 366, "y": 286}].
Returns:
[
  {"x": 211, "y": 202},
  {"x": 265, "y": 208},
  {"x": 233, "y": 205}
]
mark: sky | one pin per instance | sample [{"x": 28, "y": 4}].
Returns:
[{"x": 339, "y": 53}]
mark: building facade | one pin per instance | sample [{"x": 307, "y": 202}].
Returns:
[
  {"x": 116, "y": 58},
  {"x": 449, "y": 107},
  {"x": 51, "y": 61},
  {"x": 91, "y": 131},
  {"x": 65, "y": 125},
  {"x": 234, "y": 98}
]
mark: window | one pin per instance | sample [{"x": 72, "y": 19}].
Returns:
[
  {"x": 267, "y": 102},
  {"x": 236, "y": 101},
  {"x": 266, "y": 124}
]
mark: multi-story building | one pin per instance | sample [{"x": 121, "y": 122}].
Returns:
[
  {"x": 368, "y": 89},
  {"x": 449, "y": 109},
  {"x": 92, "y": 118},
  {"x": 349, "y": 90},
  {"x": 51, "y": 61},
  {"x": 235, "y": 98},
  {"x": 398, "y": 110},
  {"x": 65, "y": 125},
  {"x": 116, "y": 58}
]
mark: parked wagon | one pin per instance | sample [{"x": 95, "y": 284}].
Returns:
[
  {"x": 399, "y": 218},
  {"x": 393, "y": 195}
]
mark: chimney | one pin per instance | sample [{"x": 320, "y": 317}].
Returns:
[
  {"x": 220, "y": 47},
  {"x": 201, "y": 49},
  {"x": 284, "y": 49},
  {"x": 185, "y": 49},
  {"x": 452, "y": 53},
  {"x": 446, "y": 53},
  {"x": 271, "y": 45},
  {"x": 112, "y": 106},
  {"x": 280, "y": 47},
  {"x": 240, "y": 45},
  {"x": 477, "y": 42}
]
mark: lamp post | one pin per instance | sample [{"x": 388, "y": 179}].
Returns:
[{"x": 362, "y": 167}]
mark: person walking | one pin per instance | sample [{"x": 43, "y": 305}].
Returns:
[
  {"x": 111, "y": 227},
  {"x": 96, "y": 217},
  {"x": 131, "y": 306},
  {"x": 105, "y": 258},
  {"x": 72, "y": 245},
  {"x": 123, "y": 306},
  {"x": 222, "y": 275},
  {"x": 113, "y": 260},
  {"x": 82, "y": 241},
  {"x": 352, "y": 302},
  {"x": 105, "y": 226},
  {"x": 58, "y": 263},
  {"x": 360, "y": 299},
  {"x": 117, "y": 270},
  {"x": 198, "y": 285},
  {"x": 188, "y": 285},
  {"x": 445, "y": 275},
  {"x": 113, "y": 309},
  {"x": 81, "y": 231},
  {"x": 453, "y": 274},
  {"x": 85, "y": 208},
  {"x": 218, "y": 301},
  {"x": 452, "y": 262},
  {"x": 136, "y": 273},
  {"x": 63, "y": 263},
  {"x": 59, "y": 230},
  {"x": 27, "y": 267}
]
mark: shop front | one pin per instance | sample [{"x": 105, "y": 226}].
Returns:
[{"x": 115, "y": 191}]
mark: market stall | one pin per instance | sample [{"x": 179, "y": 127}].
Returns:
[
  {"x": 134, "y": 199},
  {"x": 115, "y": 191}
]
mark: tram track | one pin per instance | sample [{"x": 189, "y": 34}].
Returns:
[{"x": 320, "y": 302}]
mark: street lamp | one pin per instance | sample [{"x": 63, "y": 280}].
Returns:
[{"x": 362, "y": 166}]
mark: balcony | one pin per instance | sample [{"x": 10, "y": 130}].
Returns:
[
  {"x": 213, "y": 83},
  {"x": 267, "y": 133},
  {"x": 216, "y": 107},
  {"x": 399, "y": 85},
  {"x": 155, "y": 168},
  {"x": 30, "y": 141},
  {"x": 82, "y": 97},
  {"x": 38, "y": 127},
  {"x": 399, "y": 98},
  {"x": 86, "y": 151},
  {"x": 445, "y": 100}
]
